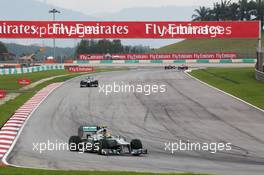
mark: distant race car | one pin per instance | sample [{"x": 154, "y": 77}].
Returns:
[
  {"x": 89, "y": 82},
  {"x": 182, "y": 67},
  {"x": 170, "y": 67},
  {"x": 97, "y": 139}
]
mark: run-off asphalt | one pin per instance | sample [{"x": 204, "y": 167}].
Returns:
[{"x": 188, "y": 110}]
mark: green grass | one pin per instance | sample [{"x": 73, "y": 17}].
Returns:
[
  {"x": 239, "y": 82},
  {"x": 9, "y": 82},
  {"x": 22, "y": 171},
  {"x": 7, "y": 109},
  {"x": 244, "y": 47}
]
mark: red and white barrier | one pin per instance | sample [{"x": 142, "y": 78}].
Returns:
[{"x": 11, "y": 128}]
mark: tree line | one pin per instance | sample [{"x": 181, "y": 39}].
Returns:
[
  {"x": 3, "y": 50},
  {"x": 105, "y": 46},
  {"x": 227, "y": 10}
]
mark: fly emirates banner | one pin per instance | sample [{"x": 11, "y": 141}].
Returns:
[{"x": 128, "y": 29}]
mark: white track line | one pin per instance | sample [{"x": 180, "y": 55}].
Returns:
[
  {"x": 9, "y": 128},
  {"x": 18, "y": 118},
  {"x": 11, "y": 124},
  {"x": 15, "y": 121},
  {"x": 8, "y": 132},
  {"x": 3, "y": 150},
  {"x": 5, "y": 141},
  {"x": 6, "y": 137},
  {"x": 5, "y": 146}
]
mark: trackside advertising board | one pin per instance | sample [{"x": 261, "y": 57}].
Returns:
[
  {"x": 80, "y": 68},
  {"x": 23, "y": 81},
  {"x": 128, "y": 29},
  {"x": 2, "y": 94},
  {"x": 170, "y": 56}
]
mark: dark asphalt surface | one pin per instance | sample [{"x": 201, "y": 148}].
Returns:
[{"x": 188, "y": 110}]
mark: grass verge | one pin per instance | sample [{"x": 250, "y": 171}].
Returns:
[
  {"x": 239, "y": 82},
  {"x": 9, "y": 82},
  {"x": 7, "y": 109},
  {"x": 245, "y": 48},
  {"x": 24, "y": 171}
]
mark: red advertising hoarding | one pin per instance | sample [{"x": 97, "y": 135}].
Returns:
[
  {"x": 128, "y": 29},
  {"x": 23, "y": 81},
  {"x": 2, "y": 94},
  {"x": 80, "y": 68},
  {"x": 170, "y": 56}
]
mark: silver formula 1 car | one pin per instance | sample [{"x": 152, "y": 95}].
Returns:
[
  {"x": 89, "y": 82},
  {"x": 97, "y": 139}
]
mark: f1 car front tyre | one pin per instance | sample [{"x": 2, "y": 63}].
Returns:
[
  {"x": 136, "y": 147},
  {"x": 102, "y": 145},
  {"x": 107, "y": 144},
  {"x": 74, "y": 142},
  {"x": 136, "y": 144},
  {"x": 96, "y": 83}
]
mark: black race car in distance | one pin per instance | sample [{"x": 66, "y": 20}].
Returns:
[
  {"x": 183, "y": 67},
  {"x": 179, "y": 68},
  {"x": 89, "y": 82}
]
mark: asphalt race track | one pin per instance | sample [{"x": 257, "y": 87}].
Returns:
[{"x": 188, "y": 110}]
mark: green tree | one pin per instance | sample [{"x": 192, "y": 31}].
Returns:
[
  {"x": 117, "y": 46},
  {"x": 233, "y": 12},
  {"x": 105, "y": 46},
  {"x": 3, "y": 48},
  {"x": 258, "y": 10},
  {"x": 201, "y": 14},
  {"x": 245, "y": 9},
  {"x": 225, "y": 10},
  {"x": 221, "y": 11}
]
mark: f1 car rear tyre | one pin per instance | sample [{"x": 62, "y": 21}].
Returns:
[
  {"x": 136, "y": 144},
  {"x": 74, "y": 143}
]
